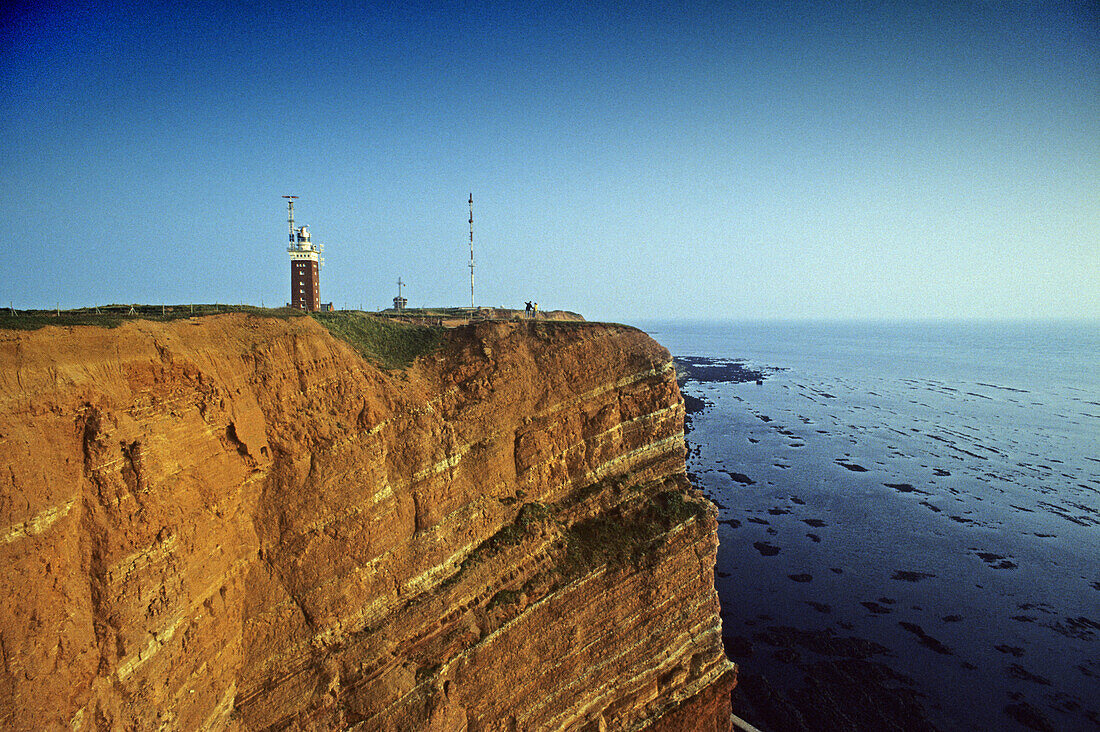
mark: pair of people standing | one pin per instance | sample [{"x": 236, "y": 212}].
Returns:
[{"x": 532, "y": 309}]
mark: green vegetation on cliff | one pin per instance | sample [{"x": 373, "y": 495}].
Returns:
[
  {"x": 390, "y": 344},
  {"x": 618, "y": 537},
  {"x": 112, "y": 316},
  {"x": 628, "y": 533}
]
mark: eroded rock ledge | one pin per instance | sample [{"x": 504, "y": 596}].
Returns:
[{"x": 237, "y": 522}]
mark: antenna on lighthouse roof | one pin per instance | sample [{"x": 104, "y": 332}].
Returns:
[
  {"x": 290, "y": 216},
  {"x": 472, "y": 251}
]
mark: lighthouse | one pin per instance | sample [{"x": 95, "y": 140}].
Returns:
[{"x": 305, "y": 264}]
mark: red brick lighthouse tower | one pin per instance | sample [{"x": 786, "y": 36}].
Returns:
[{"x": 305, "y": 265}]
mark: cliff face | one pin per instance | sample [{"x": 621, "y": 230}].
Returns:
[{"x": 236, "y": 522}]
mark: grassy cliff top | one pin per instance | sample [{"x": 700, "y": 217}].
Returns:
[
  {"x": 112, "y": 316},
  {"x": 390, "y": 339},
  {"x": 390, "y": 344}
]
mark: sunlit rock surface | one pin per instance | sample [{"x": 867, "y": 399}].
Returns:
[{"x": 238, "y": 522}]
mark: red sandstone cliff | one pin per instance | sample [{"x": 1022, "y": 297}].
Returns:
[{"x": 237, "y": 522}]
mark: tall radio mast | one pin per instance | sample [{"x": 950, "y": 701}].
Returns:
[{"x": 472, "y": 251}]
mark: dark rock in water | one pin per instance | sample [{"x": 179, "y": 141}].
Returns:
[
  {"x": 861, "y": 695},
  {"x": 1014, "y": 651},
  {"x": 694, "y": 405},
  {"x": 816, "y": 523},
  {"x": 1028, "y": 716},
  {"x": 787, "y": 655},
  {"x": 766, "y": 549},
  {"x": 851, "y": 466},
  {"x": 732, "y": 523},
  {"x": 1041, "y": 606},
  {"x": 814, "y": 538},
  {"x": 908, "y": 576},
  {"x": 1017, "y": 671},
  {"x": 905, "y": 488},
  {"x": 1065, "y": 702},
  {"x": 821, "y": 607},
  {"x": 740, "y": 478},
  {"x": 995, "y": 561},
  {"x": 941, "y": 472},
  {"x": 754, "y": 698},
  {"x": 776, "y": 511},
  {"x": 803, "y": 577},
  {"x": 925, "y": 639},
  {"x": 875, "y": 607},
  {"x": 845, "y": 692},
  {"x": 715, "y": 370},
  {"x": 822, "y": 642},
  {"x": 737, "y": 646},
  {"x": 1081, "y": 628},
  {"x": 952, "y": 618},
  {"x": 798, "y": 501}
]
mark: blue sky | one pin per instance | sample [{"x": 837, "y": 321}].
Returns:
[{"x": 627, "y": 160}]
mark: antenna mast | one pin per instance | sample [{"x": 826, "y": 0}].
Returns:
[
  {"x": 290, "y": 216},
  {"x": 472, "y": 250},
  {"x": 399, "y": 302}
]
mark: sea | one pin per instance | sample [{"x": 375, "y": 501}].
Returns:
[{"x": 909, "y": 518}]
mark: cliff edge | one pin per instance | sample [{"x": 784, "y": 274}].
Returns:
[{"x": 238, "y": 522}]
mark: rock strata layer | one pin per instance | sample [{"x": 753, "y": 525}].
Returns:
[{"x": 238, "y": 522}]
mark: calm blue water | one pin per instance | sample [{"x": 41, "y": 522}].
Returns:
[{"x": 934, "y": 488}]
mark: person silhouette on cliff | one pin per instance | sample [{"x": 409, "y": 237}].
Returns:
[{"x": 528, "y": 308}]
